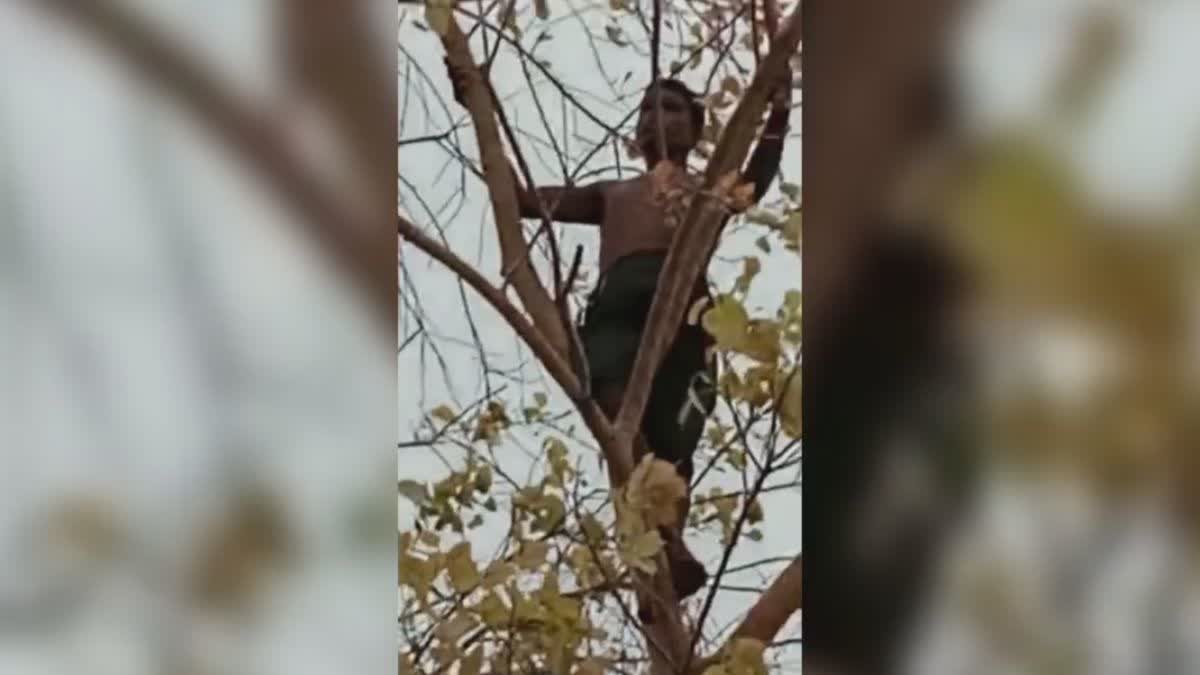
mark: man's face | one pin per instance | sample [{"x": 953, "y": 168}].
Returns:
[{"x": 674, "y": 116}]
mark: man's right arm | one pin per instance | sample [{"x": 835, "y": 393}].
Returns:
[
  {"x": 580, "y": 204},
  {"x": 565, "y": 204}
]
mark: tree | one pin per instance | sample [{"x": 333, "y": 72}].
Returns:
[{"x": 555, "y": 595}]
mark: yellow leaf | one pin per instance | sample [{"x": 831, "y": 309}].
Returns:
[
  {"x": 472, "y": 664},
  {"x": 791, "y": 231},
  {"x": 746, "y": 657},
  {"x": 498, "y": 573},
  {"x": 655, "y": 487},
  {"x": 792, "y": 300},
  {"x": 444, "y": 413},
  {"x": 790, "y": 404},
  {"x": 493, "y": 611},
  {"x": 726, "y": 321},
  {"x": 439, "y": 14},
  {"x": 464, "y": 575},
  {"x": 761, "y": 341},
  {"x": 483, "y": 478},
  {"x": 418, "y": 574},
  {"x": 639, "y": 551},
  {"x": 533, "y": 555},
  {"x": 592, "y": 529},
  {"x": 458, "y": 625}
]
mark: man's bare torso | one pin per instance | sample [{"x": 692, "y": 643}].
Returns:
[{"x": 639, "y": 217}]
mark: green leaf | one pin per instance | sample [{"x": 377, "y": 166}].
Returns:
[
  {"x": 754, "y": 535},
  {"x": 791, "y": 190}
]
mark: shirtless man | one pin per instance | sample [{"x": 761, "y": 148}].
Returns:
[{"x": 636, "y": 227}]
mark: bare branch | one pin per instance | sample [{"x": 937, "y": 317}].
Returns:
[
  {"x": 503, "y": 192},
  {"x": 781, "y": 600}
]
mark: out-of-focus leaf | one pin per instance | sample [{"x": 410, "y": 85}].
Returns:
[{"x": 413, "y": 491}]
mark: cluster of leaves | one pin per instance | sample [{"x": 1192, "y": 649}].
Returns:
[
  {"x": 762, "y": 353},
  {"x": 528, "y": 605}
]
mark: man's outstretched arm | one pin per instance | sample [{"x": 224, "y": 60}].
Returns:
[
  {"x": 763, "y": 165},
  {"x": 581, "y": 204},
  {"x": 565, "y": 204}
]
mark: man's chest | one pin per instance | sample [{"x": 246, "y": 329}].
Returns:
[{"x": 657, "y": 201}]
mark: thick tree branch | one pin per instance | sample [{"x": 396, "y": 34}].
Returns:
[
  {"x": 776, "y": 605},
  {"x": 769, "y": 614},
  {"x": 346, "y": 236},
  {"x": 696, "y": 239},
  {"x": 503, "y": 192}
]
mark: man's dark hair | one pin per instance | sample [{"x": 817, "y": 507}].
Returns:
[{"x": 692, "y": 98}]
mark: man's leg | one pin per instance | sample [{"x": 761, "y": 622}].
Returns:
[{"x": 687, "y": 574}]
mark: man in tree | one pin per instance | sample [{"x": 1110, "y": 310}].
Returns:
[{"x": 637, "y": 219}]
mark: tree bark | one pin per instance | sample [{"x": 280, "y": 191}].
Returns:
[{"x": 513, "y": 246}]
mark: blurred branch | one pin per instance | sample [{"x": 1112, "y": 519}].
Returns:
[
  {"x": 328, "y": 54},
  {"x": 346, "y": 237}
]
